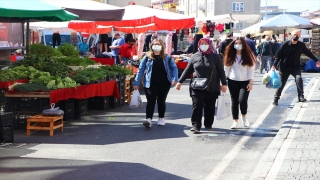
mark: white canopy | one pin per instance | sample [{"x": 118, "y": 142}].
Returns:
[
  {"x": 280, "y": 22},
  {"x": 315, "y": 21}
]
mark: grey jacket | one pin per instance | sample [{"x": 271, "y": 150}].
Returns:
[{"x": 212, "y": 63}]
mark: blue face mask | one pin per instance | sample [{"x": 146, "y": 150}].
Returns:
[{"x": 238, "y": 46}]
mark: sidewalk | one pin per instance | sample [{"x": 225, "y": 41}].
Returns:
[{"x": 295, "y": 151}]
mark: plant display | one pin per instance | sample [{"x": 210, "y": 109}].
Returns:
[
  {"x": 76, "y": 61},
  {"x": 41, "y": 49},
  {"x": 68, "y": 50},
  {"x": 54, "y": 82},
  {"x": 29, "y": 87},
  {"x": 89, "y": 74},
  {"x": 15, "y": 73},
  {"x": 46, "y": 64}
]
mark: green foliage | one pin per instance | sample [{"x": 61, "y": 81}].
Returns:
[
  {"x": 46, "y": 64},
  {"x": 68, "y": 50},
  {"x": 29, "y": 87},
  {"x": 54, "y": 82},
  {"x": 15, "y": 73},
  {"x": 41, "y": 49},
  {"x": 89, "y": 74},
  {"x": 76, "y": 61}
]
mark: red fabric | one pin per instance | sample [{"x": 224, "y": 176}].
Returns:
[
  {"x": 109, "y": 88},
  {"x": 9, "y": 83},
  {"x": 126, "y": 51},
  {"x": 182, "y": 65},
  {"x": 104, "y": 61},
  {"x": 13, "y": 58},
  {"x": 220, "y": 28}
]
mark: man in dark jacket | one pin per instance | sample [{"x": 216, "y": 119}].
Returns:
[
  {"x": 225, "y": 43},
  {"x": 288, "y": 62},
  {"x": 251, "y": 44},
  {"x": 266, "y": 52}
]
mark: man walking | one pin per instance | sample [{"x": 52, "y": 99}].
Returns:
[
  {"x": 266, "y": 52},
  {"x": 116, "y": 44},
  {"x": 225, "y": 43},
  {"x": 251, "y": 44},
  {"x": 287, "y": 62}
]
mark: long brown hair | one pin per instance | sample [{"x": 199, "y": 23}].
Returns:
[
  {"x": 248, "y": 58},
  {"x": 163, "y": 54}
]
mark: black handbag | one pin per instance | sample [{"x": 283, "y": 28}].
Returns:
[{"x": 201, "y": 83}]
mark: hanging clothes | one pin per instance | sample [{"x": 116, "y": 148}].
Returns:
[
  {"x": 169, "y": 43},
  {"x": 141, "y": 41},
  {"x": 220, "y": 27},
  {"x": 74, "y": 39}
]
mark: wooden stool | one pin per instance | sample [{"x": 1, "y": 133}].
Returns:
[{"x": 44, "y": 123}]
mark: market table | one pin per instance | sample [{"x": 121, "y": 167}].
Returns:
[
  {"x": 108, "y": 88},
  {"x": 182, "y": 65},
  {"x": 9, "y": 83},
  {"x": 104, "y": 61}
]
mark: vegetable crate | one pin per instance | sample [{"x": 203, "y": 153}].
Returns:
[
  {"x": 113, "y": 102},
  {"x": 2, "y": 97},
  {"x": 80, "y": 108},
  {"x": 101, "y": 103},
  {"x": 6, "y": 119},
  {"x": 26, "y": 104},
  {"x": 8, "y": 134},
  {"x": 20, "y": 119},
  {"x": 68, "y": 107}
]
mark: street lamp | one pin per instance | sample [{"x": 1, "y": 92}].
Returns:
[{"x": 266, "y": 10}]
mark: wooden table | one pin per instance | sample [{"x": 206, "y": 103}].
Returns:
[{"x": 44, "y": 123}]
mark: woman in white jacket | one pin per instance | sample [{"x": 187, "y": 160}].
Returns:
[{"x": 239, "y": 68}]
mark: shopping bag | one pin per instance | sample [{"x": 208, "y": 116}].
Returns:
[
  {"x": 53, "y": 111},
  {"x": 223, "y": 107},
  {"x": 136, "y": 100},
  {"x": 266, "y": 78},
  {"x": 275, "y": 81}
]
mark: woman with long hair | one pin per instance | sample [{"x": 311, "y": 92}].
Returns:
[
  {"x": 161, "y": 73},
  {"x": 239, "y": 63},
  {"x": 204, "y": 64}
]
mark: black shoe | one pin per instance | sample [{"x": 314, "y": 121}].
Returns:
[
  {"x": 302, "y": 99},
  {"x": 275, "y": 101},
  {"x": 194, "y": 127},
  {"x": 196, "y": 131},
  {"x": 208, "y": 129}
]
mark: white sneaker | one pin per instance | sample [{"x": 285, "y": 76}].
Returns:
[
  {"x": 161, "y": 122},
  {"x": 234, "y": 125},
  {"x": 147, "y": 123},
  {"x": 245, "y": 122}
]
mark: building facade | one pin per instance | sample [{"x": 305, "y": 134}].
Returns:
[{"x": 122, "y": 3}]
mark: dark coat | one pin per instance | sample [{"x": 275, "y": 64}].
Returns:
[
  {"x": 283, "y": 53},
  {"x": 212, "y": 63},
  {"x": 224, "y": 45}
]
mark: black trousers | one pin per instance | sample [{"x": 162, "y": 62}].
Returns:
[
  {"x": 56, "y": 40},
  {"x": 239, "y": 97},
  {"x": 157, "y": 92},
  {"x": 284, "y": 75},
  {"x": 198, "y": 105}
]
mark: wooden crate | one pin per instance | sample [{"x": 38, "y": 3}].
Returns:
[{"x": 41, "y": 122}]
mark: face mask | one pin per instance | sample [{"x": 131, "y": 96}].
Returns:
[
  {"x": 267, "y": 41},
  {"x": 156, "y": 48},
  {"x": 295, "y": 38},
  {"x": 204, "y": 47},
  {"x": 238, "y": 46}
]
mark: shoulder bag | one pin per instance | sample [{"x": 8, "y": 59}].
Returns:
[{"x": 201, "y": 83}]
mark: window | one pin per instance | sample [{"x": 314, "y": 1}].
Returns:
[
  {"x": 238, "y": 25},
  {"x": 210, "y": 6},
  {"x": 237, "y": 6},
  {"x": 193, "y": 7}
]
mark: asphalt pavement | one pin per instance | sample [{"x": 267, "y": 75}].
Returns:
[{"x": 113, "y": 144}]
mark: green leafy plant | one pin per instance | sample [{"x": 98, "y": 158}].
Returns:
[
  {"x": 76, "y": 61},
  {"x": 41, "y": 49},
  {"x": 68, "y": 50}
]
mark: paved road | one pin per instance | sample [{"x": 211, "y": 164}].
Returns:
[{"x": 114, "y": 144}]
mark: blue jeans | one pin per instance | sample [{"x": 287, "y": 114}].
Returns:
[
  {"x": 116, "y": 59},
  {"x": 265, "y": 63}
]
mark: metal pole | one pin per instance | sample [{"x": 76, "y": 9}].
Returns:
[
  {"x": 189, "y": 7},
  {"x": 27, "y": 37},
  {"x": 266, "y": 10},
  {"x": 197, "y": 6},
  {"x": 206, "y": 8}
]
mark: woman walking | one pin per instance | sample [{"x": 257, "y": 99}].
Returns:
[
  {"x": 204, "y": 64},
  {"x": 239, "y": 68},
  {"x": 161, "y": 73}
]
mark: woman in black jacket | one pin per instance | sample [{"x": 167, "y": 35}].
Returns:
[{"x": 204, "y": 64}]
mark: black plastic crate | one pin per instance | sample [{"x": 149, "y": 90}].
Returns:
[
  {"x": 8, "y": 134},
  {"x": 20, "y": 119},
  {"x": 2, "y": 97},
  {"x": 98, "y": 103},
  {"x": 6, "y": 119},
  {"x": 68, "y": 107},
  {"x": 80, "y": 107},
  {"x": 26, "y": 104},
  {"x": 113, "y": 102}
]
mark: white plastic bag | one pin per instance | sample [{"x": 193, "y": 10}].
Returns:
[
  {"x": 266, "y": 78},
  {"x": 223, "y": 107},
  {"x": 136, "y": 100}
]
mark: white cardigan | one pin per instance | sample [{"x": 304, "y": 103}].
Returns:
[{"x": 238, "y": 72}]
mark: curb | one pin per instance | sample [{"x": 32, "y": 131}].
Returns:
[{"x": 267, "y": 161}]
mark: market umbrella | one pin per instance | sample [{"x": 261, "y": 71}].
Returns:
[
  {"x": 315, "y": 21},
  {"x": 280, "y": 22},
  {"x": 140, "y": 19},
  {"x": 90, "y": 10},
  {"x": 22, "y": 10},
  {"x": 227, "y": 18}
]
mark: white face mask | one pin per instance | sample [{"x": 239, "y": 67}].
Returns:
[
  {"x": 204, "y": 47},
  {"x": 157, "y": 48},
  {"x": 238, "y": 46}
]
